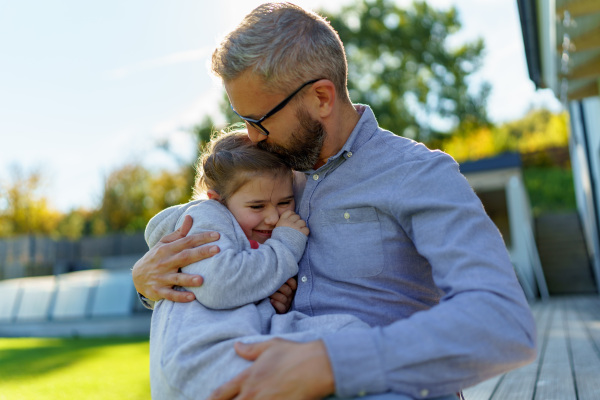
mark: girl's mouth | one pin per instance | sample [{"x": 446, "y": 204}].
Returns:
[{"x": 264, "y": 233}]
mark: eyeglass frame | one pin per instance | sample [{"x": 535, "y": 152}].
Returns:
[{"x": 257, "y": 123}]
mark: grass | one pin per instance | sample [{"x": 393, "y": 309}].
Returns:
[
  {"x": 80, "y": 368},
  {"x": 550, "y": 189}
]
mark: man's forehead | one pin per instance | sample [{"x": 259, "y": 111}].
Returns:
[{"x": 249, "y": 96}]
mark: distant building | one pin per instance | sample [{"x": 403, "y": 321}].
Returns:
[{"x": 562, "y": 46}]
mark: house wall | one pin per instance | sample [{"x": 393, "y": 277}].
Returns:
[{"x": 585, "y": 159}]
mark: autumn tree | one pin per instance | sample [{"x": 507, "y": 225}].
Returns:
[
  {"x": 133, "y": 194},
  {"x": 538, "y": 131},
  {"x": 24, "y": 207}
]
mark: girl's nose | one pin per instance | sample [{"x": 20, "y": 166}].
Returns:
[{"x": 271, "y": 216}]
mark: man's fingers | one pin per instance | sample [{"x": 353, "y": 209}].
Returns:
[
  {"x": 184, "y": 229},
  {"x": 193, "y": 241},
  {"x": 177, "y": 296},
  {"x": 190, "y": 256},
  {"x": 182, "y": 279},
  {"x": 251, "y": 351},
  {"x": 182, "y": 232},
  {"x": 230, "y": 389},
  {"x": 171, "y": 237}
]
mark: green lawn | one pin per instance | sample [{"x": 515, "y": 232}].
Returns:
[
  {"x": 106, "y": 368},
  {"x": 550, "y": 189}
]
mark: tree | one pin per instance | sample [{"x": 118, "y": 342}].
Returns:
[
  {"x": 400, "y": 63},
  {"x": 24, "y": 209},
  {"x": 133, "y": 194},
  {"x": 535, "y": 136}
]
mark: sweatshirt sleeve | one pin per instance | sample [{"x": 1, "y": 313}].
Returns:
[
  {"x": 482, "y": 326},
  {"x": 239, "y": 275}
]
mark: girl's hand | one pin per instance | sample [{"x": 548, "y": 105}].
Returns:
[
  {"x": 292, "y": 220},
  {"x": 282, "y": 299}
]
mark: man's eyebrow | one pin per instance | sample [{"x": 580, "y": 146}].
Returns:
[{"x": 251, "y": 116}]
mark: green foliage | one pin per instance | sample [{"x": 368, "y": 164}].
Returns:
[
  {"x": 91, "y": 368},
  {"x": 400, "y": 64},
  {"x": 550, "y": 189}
]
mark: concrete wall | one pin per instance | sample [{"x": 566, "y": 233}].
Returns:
[
  {"x": 27, "y": 256},
  {"x": 94, "y": 302}
]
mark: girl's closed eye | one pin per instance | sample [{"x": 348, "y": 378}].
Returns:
[{"x": 257, "y": 207}]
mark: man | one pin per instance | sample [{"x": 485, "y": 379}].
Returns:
[{"x": 398, "y": 238}]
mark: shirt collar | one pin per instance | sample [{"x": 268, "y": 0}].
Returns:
[{"x": 362, "y": 132}]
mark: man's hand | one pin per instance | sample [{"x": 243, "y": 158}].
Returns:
[
  {"x": 282, "y": 299},
  {"x": 155, "y": 274},
  {"x": 281, "y": 370}
]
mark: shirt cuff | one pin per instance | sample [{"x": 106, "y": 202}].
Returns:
[
  {"x": 149, "y": 304},
  {"x": 354, "y": 358}
]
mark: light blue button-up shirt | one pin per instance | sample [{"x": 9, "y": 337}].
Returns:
[{"x": 399, "y": 239}]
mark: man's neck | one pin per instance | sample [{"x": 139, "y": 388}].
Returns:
[{"x": 338, "y": 130}]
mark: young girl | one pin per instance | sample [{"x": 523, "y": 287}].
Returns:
[{"x": 251, "y": 204}]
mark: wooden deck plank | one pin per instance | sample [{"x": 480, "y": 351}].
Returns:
[
  {"x": 555, "y": 380},
  {"x": 482, "y": 391},
  {"x": 568, "y": 362},
  {"x": 586, "y": 355}
]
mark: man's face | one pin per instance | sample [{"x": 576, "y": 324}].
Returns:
[{"x": 293, "y": 133}]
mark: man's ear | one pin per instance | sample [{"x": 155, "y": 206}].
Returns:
[
  {"x": 212, "y": 195},
  {"x": 325, "y": 96}
]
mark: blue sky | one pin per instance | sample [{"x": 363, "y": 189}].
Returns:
[{"x": 86, "y": 87}]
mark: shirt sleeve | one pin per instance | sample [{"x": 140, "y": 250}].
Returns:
[
  {"x": 239, "y": 275},
  {"x": 482, "y": 326}
]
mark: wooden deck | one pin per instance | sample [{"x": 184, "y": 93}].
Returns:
[{"x": 568, "y": 362}]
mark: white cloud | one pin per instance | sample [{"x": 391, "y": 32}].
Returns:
[{"x": 170, "y": 59}]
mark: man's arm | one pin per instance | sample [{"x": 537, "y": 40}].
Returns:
[
  {"x": 155, "y": 274},
  {"x": 482, "y": 325}
]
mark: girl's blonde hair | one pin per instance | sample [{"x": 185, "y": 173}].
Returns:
[{"x": 229, "y": 161}]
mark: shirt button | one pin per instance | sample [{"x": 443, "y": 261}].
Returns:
[
  {"x": 316, "y": 177},
  {"x": 362, "y": 393},
  {"x": 347, "y": 215},
  {"x": 304, "y": 279},
  {"x": 349, "y": 154},
  {"x": 424, "y": 393}
]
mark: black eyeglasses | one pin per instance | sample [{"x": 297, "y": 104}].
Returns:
[{"x": 257, "y": 123}]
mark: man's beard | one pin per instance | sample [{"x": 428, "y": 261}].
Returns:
[{"x": 302, "y": 151}]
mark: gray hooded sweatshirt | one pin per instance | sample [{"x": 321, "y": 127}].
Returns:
[{"x": 191, "y": 344}]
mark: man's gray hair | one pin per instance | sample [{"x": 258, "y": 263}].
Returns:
[{"x": 285, "y": 45}]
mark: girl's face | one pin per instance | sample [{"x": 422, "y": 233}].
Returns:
[{"x": 258, "y": 204}]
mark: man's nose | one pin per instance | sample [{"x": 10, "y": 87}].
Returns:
[{"x": 255, "y": 134}]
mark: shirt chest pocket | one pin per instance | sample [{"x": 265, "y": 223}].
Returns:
[{"x": 350, "y": 241}]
